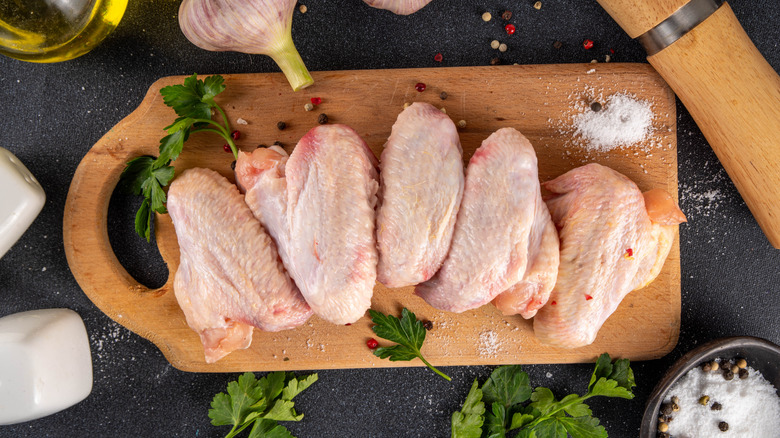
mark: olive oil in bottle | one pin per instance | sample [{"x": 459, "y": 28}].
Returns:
[{"x": 55, "y": 30}]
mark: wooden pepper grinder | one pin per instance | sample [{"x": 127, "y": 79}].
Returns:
[{"x": 733, "y": 94}]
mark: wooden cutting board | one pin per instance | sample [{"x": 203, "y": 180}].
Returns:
[{"x": 537, "y": 100}]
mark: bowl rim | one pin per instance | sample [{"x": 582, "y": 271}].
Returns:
[{"x": 687, "y": 362}]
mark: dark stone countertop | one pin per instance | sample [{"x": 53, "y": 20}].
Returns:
[{"x": 53, "y": 113}]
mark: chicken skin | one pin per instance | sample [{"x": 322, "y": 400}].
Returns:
[
  {"x": 613, "y": 239},
  {"x": 421, "y": 186},
  {"x": 229, "y": 278},
  {"x": 318, "y": 206},
  {"x": 502, "y": 234}
]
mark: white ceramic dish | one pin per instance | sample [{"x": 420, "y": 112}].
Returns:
[
  {"x": 45, "y": 363},
  {"x": 21, "y": 199}
]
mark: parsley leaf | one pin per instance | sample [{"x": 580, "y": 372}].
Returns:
[
  {"x": 467, "y": 423},
  {"x": 193, "y": 102},
  {"x": 507, "y": 389},
  {"x": 407, "y": 332},
  {"x": 259, "y": 403}
]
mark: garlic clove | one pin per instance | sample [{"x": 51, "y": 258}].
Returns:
[
  {"x": 247, "y": 26},
  {"x": 400, "y": 7}
]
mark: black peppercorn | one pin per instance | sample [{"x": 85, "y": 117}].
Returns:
[
  {"x": 443, "y": 95},
  {"x": 495, "y": 61},
  {"x": 278, "y": 143},
  {"x": 261, "y": 146},
  {"x": 281, "y": 125},
  {"x": 322, "y": 119},
  {"x": 595, "y": 106},
  {"x": 557, "y": 45},
  {"x": 716, "y": 406},
  {"x": 506, "y": 16},
  {"x": 428, "y": 325},
  {"x": 743, "y": 373},
  {"x": 666, "y": 409},
  {"x": 233, "y": 165},
  {"x": 727, "y": 374},
  {"x": 706, "y": 367},
  {"x": 723, "y": 426}
]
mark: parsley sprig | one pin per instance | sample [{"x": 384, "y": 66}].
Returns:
[
  {"x": 260, "y": 404},
  {"x": 508, "y": 389},
  {"x": 407, "y": 332},
  {"x": 193, "y": 102}
]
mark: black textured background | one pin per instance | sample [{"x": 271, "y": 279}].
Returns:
[{"x": 53, "y": 113}]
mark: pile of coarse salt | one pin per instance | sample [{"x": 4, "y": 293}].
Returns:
[
  {"x": 622, "y": 121},
  {"x": 750, "y": 406}
]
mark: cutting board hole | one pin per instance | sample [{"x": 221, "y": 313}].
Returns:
[{"x": 140, "y": 258}]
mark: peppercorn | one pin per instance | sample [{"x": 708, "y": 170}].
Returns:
[
  {"x": 226, "y": 147},
  {"x": 557, "y": 45},
  {"x": 716, "y": 406},
  {"x": 538, "y": 5},
  {"x": 706, "y": 367},
  {"x": 443, "y": 95},
  {"x": 303, "y": 9},
  {"x": 495, "y": 44},
  {"x": 372, "y": 343},
  {"x": 723, "y": 426},
  {"x": 675, "y": 407},
  {"x": 506, "y": 16},
  {"x": 420, "y": 87},
  {"x": 308, "y": 107},
  {"x": 261, "y": 146},
  {"x": 728, "y": 375},
  {"x": 587, "y": 44},
  {"x": 703, "y": 400},
  {"x": 495, "y": 61},
  {"x": 666, "y": 408},
  {"x": 663, "y": 435},
  {"x": 675, "y": 399},
  {"x": 235, "y": 134},
  {"x": 286, "y": 359},
  {"x": 444, "y": 110},
  {"x": 502, "y": 47},
  {"x": 428, "y": 325},
  {"x": 510, "y": 29},
  {"x": 596, "y": 107},
  {"x": 233, "y": 165},
  {"x": 734, "y": 369},
  {"x": 438, "y": 57},
  {"x": 743, "y": 373},
  {"x": 281, "y": 126},
  {"x": 461, "y": 123},
  {"x": 322, "y": 119},
  {"x": 663, "y": 427},
  {"x": 714, "y": 365},
  {"x": 486, "y": 16},
  {"x": 742, "y": 363},
  {"x": 278, "y": 143}
]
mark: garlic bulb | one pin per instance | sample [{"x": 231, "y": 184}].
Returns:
[
  {"x": 248, "y": 26},
  {"x": 400, "y": 7}
]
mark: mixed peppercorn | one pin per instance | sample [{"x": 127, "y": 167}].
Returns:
[{"x": 728, "y": 369}]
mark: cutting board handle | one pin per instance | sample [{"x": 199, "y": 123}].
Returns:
[{"x": 85, "y": 236}]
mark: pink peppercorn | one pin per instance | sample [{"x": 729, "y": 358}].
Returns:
[{"x": 510, "y": 29}]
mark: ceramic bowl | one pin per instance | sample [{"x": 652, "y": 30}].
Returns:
[{"x": 762, "y": 355}]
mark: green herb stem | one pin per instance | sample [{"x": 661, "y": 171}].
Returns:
[
  {"x": 435, "y": 370},
  {"x": 227, "y": 138}
]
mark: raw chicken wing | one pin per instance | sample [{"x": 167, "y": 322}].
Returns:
[
  {"x": 614, "y": 240},
  {"x": 421, "y": 185},
  {"x": 230, "y": 277},
  {"x": 502, "y": 236},
  {"x": 318, "y": 205}
]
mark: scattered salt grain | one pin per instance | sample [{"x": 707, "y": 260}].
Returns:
[
  {"x": 623, "y": 121},
  {"x": 750, "y": 406},
  {"x": 241, "y": 121},
  {"x": 488, "y": 343}
]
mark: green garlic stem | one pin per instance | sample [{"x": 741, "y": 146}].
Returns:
[{"x": 289, "y": 60}]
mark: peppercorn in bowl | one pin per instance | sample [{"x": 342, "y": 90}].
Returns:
[{"x": 726, "y": 387}]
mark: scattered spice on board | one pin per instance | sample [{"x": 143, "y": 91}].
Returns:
[
  {"x": 419, "y": 87},
  {"x": 495, "y": 61},
  {"x": 710, "y": 405},
  {"x": 308, "y": 107},
  {"x": 621, "y": 121},
  {"x": 322, "y": 119},
  {"x": 443, "y": 95},
  {"x": 281, "y": 126},
  {"x": 316, "y": 100},
  {"x": 489, "y": 344}
]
